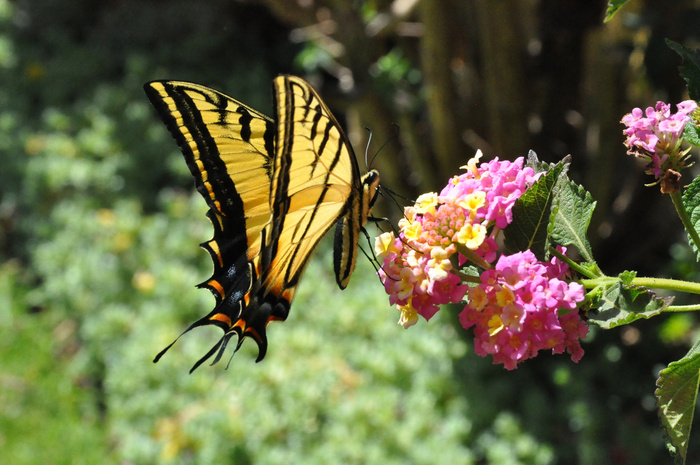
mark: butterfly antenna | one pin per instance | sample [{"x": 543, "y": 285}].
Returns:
[
  {"x": 393, "y": 137},
  {"x": 396, "y": 194},
  {"x": 388, "y": 194},
  {"x": 369, "y": 141}
]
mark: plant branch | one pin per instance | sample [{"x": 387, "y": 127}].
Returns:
[
  {"x": 681, "y": 308},
  {"x": 656, "y": 283}
]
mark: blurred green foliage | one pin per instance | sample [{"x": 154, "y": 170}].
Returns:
[
  {"x": 48, "y": 415},
  {"x": 98, "y": 230},
  {"x": 99, "y": 259}
]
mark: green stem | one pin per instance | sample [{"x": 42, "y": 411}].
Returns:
[
  {"x": 573, "y": 265},
  {"x": 683, "y": 214},
  {"x": 681, "y": 308},
  {"x": 473, "y": 257},
  {"x": 672, "y": 284},
  {"x": 656, "y": 283},
  {"x": 594, "y": 280}
]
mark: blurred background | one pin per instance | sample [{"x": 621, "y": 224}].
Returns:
[{"x": 99, "y": 226}]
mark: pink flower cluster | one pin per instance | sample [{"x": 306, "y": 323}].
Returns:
[
  {"x": 515, "y": 311},
  {"x": 656, "y": 135},
  {"x": 502, "y": 182},
  {"x": 440, "y": 233}
]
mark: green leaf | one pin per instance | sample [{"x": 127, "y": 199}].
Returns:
[
  {"x": 689, "y": 68},
  {"x": 570, "y": 223},
  {"x": 676, "y": 397},
  {"x": 532, "y": 212},
  {"x": 613, "y": 6},
  {"x": 691, "y": 134},
  {"x": 620, "y": 304},
  {"x": 535, "y": 163},
  {"x": 691, "y": 203},
  {"x": 627, "y": 276},
  {"x": 592, "y": 268}
]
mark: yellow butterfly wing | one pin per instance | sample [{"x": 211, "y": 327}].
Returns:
[
  {"x": 316, "y": 183},
  {"x": 228, "y": 147},
  {"x": 273, "y": 190}
]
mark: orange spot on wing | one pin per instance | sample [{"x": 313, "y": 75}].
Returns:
[
  {"x": 217, "y": 287},
  {"x": 253, "y": 333},
  {"x": 221, "y": 317}
]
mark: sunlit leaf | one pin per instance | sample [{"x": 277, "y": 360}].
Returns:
[
  {"x": 691, "y": 202},
  {"x": 691, "y": 134},
  {"x": 620, "y": 304},
  {"x": 690, "y": 68},
  {"x": 573, "y": 216},
  {"x": 676, "y": 398},
  {"x": 532, "y": 213},
  {"x": 613, "y": 7}
]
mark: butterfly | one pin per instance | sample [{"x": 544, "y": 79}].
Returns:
[{"x": 274, "y": 187}]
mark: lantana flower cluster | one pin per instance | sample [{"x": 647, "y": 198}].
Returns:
[
  {"x": 515, "y": 308},
  {"x": 655, "y": 135},
  {"x": 519, "y": 309}
]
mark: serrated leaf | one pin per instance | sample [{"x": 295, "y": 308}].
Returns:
[
  {"x": 535, "y": 163},
  {"x": 570, "y": 223},
  {"x": 531, "y": 213},
  {"x": 592, "y": 268},
  {"x": 621, "y": 304},
  {"x": 691, "y": 203},
  {"x": 676, "y": 396},
  {"x": 689, "y": 68},
  {"x": 691, "y": 134},
  {"x": 613, "y": 6}
]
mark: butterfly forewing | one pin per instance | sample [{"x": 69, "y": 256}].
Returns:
[{"x": 228, "y": 147}]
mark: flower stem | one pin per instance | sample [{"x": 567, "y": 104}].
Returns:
[
  {"x": 683, "y": 214},
  {"x": 671, "y": 284},
  {"x": 575, "y": 266},
  {"x": 681, "y": 308},
  {"x": 473, "y": 257},
  {"x": 656, "y": 283}
]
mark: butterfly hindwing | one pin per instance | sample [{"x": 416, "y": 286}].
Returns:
[
  {"x": 324, "y": 185},
  {"x": 314, "y": 177}
]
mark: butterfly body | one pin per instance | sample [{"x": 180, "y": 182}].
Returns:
[{"x": 274, "y": 188}]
